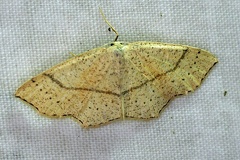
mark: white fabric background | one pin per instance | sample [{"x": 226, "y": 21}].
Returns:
[{"x": 35, "y": 35}]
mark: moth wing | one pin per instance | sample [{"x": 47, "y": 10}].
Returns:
[
  {"x": 84, "y": 87},
  {"x": 169, "y": 70}
]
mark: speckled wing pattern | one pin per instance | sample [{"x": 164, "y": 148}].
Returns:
[{"x": 118, "y": 80}]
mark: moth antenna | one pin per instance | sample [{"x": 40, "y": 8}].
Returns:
[{"x": 109, "y": 24}]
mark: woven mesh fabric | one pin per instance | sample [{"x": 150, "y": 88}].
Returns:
[{"x": 35, "y": 35}]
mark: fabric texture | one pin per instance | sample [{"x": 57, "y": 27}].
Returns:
[{"x": 35, "y": 35}]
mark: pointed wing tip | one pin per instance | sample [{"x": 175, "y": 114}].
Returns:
[
  {"x": 17, "y": 93},
  {"x": 215, "y": 59},
  {"x": 20, "y": 90}
]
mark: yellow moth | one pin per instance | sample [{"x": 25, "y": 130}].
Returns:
[{"x": 118, "y": 80}]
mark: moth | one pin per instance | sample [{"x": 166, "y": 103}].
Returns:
[{"x": 118, "y": 80}]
